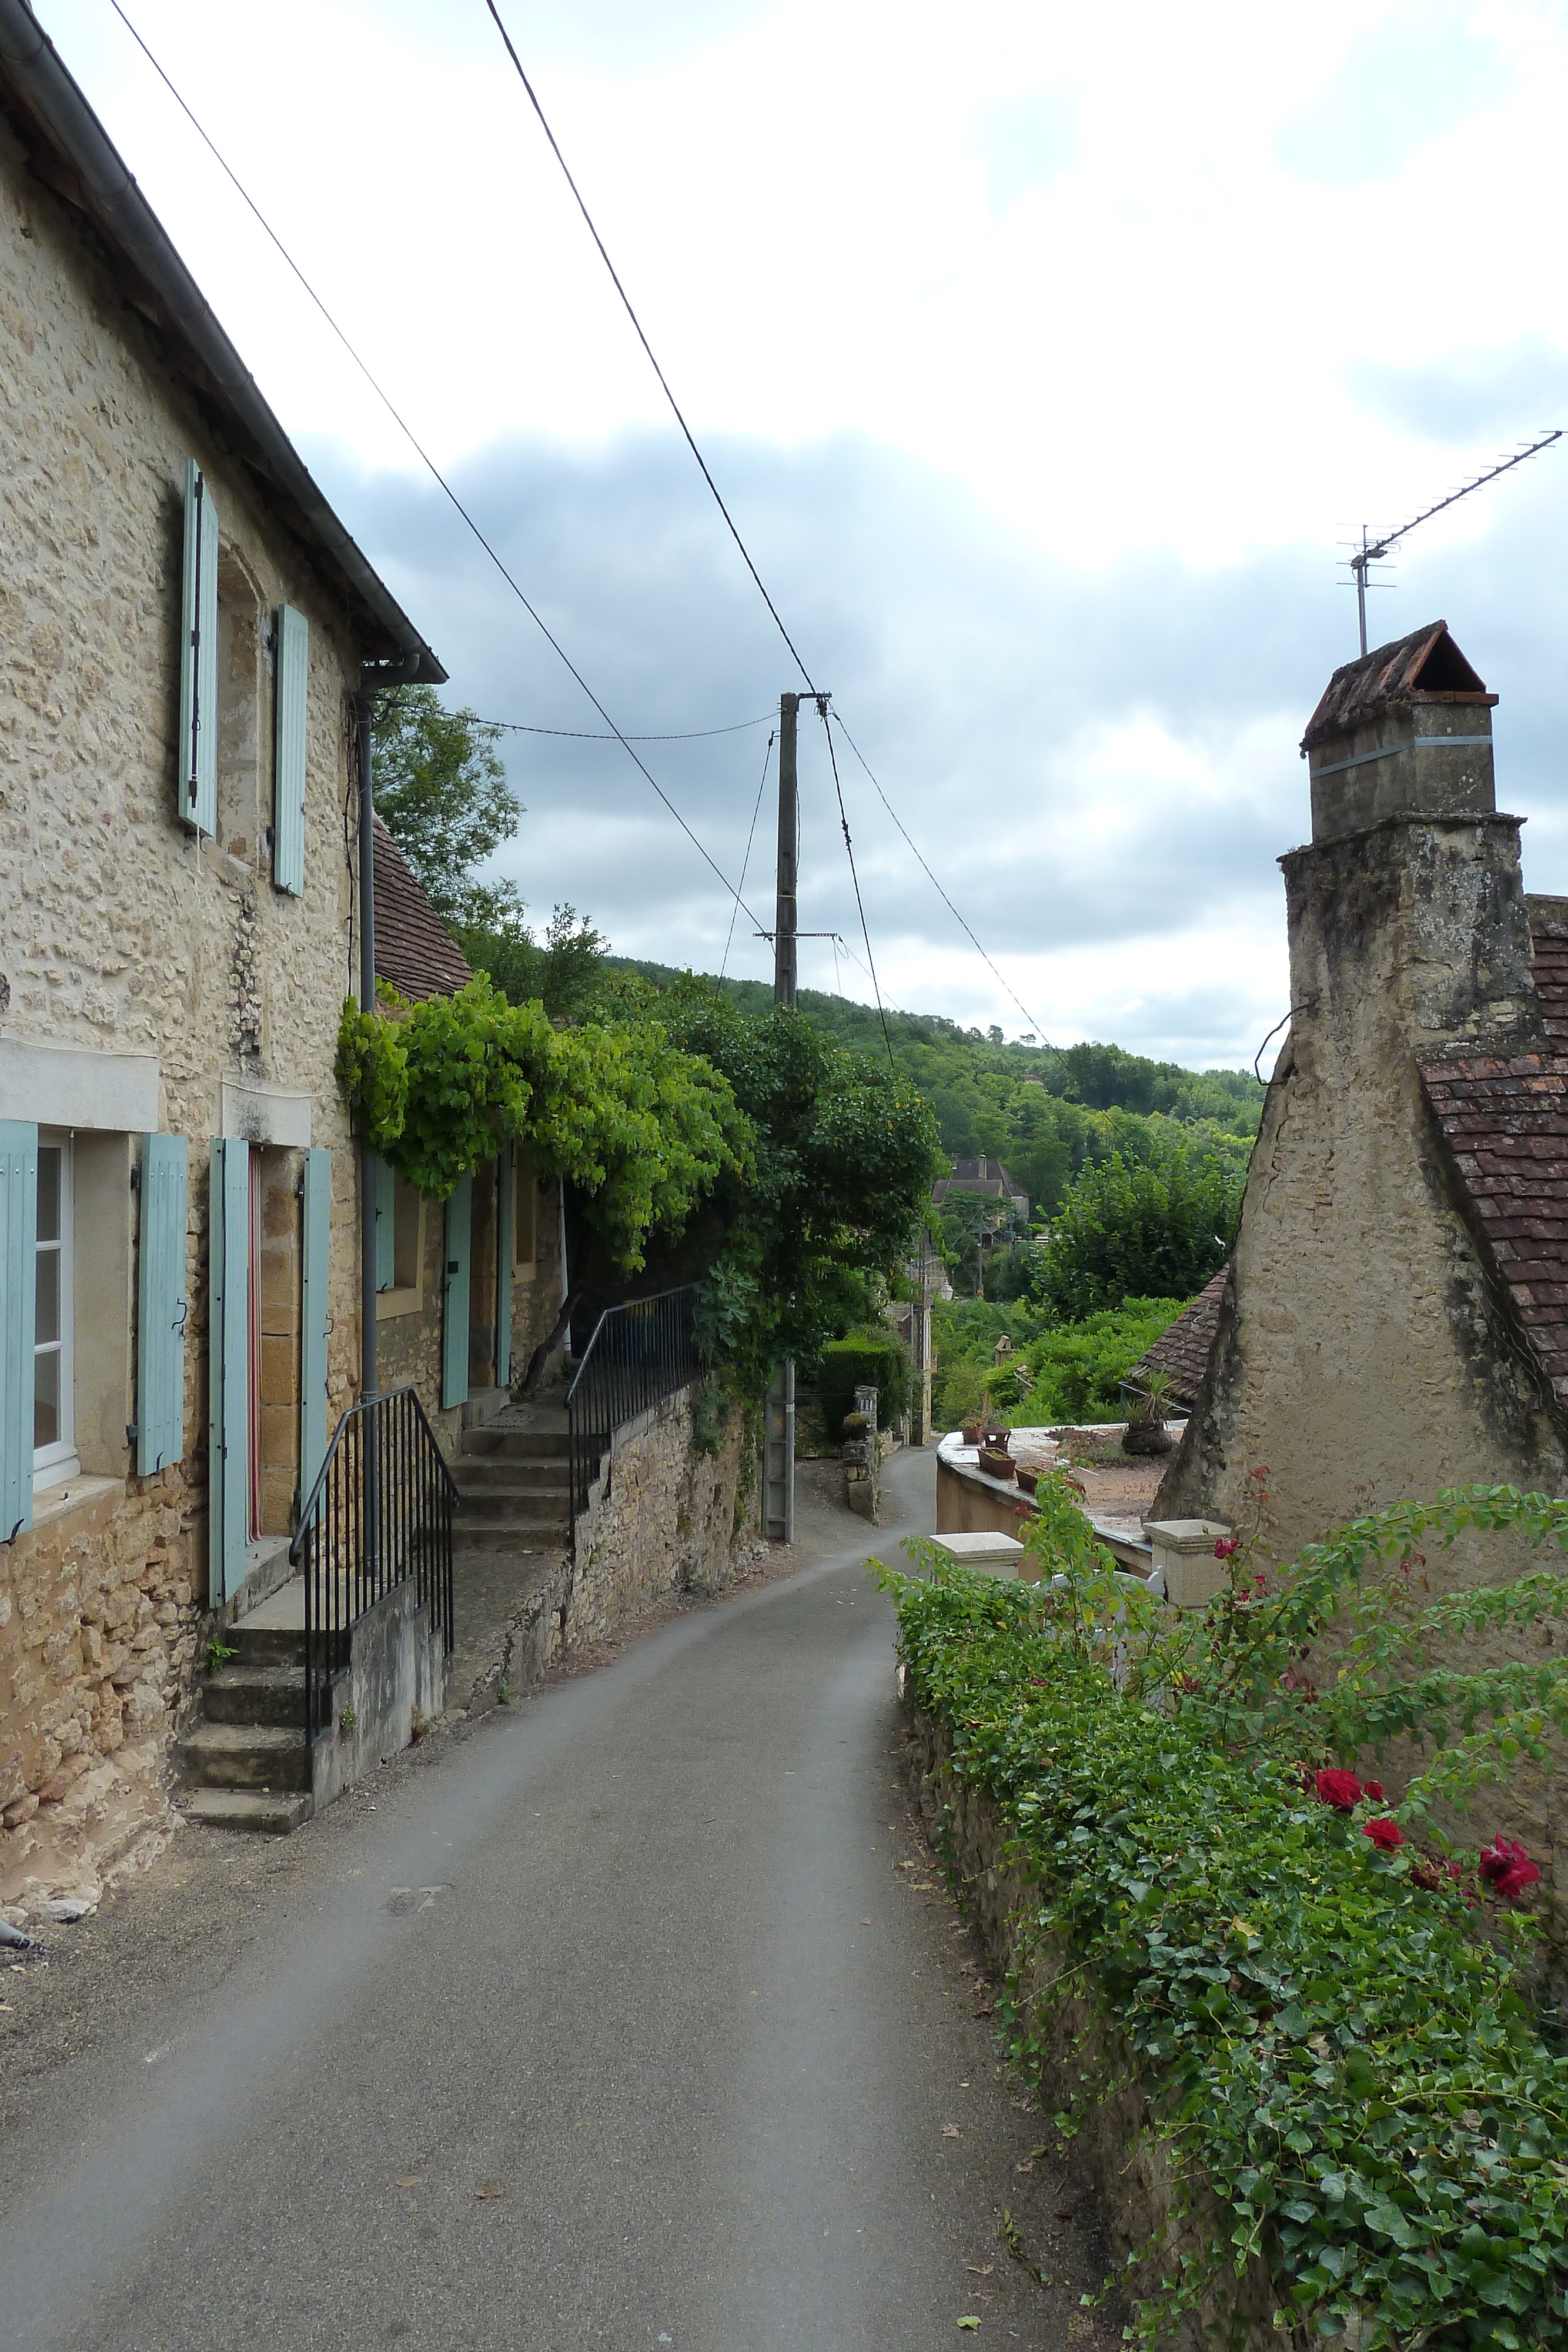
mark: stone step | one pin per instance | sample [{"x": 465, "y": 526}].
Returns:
[
  {"x": 513, "y": 1444},
  {"x": 511, "y": 1544},
  {"x": 261, "y": 1646},
  {"x": 543, "y": 1475},
  {"x": 249, "y": 1808},
  {"x": 248, "y": 1693},
  {"x": 502, "y": 1505},
  {"x": 247, "y": 1756}
]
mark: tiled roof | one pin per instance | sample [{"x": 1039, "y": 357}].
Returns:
[
  {"x": 414, "y": 950},
  {"x": 1182, "y": 1352},
  {"x": 1426, "y": 666},
  {"x": 1505, "y": 1119}
]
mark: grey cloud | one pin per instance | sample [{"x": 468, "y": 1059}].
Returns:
[
  {"x": 973, "y": 672},
  {"x": 1511, "y": 394}
]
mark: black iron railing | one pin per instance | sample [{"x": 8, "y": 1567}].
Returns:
[
  {"x": 380, "y": 1511},
  {"x": 640, "y": 1353}
]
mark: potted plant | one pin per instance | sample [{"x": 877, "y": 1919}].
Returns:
[{"x": 1146, "y": 1432}]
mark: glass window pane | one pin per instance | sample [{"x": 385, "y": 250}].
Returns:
[
  {"x": 49, "y": 1158},
  {"x": 46, "y": 1398},
  {"x": 49, "y": 1322}
]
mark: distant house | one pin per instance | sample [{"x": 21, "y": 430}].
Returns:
[{"x": 986, "y": 1180}]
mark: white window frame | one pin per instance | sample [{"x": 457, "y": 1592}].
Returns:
[{"x": 53, "y": 1464}]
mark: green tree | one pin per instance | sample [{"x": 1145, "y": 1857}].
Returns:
[
  {"x": 1153, "y": 1232},
  {"x": 442, "y": 793}
]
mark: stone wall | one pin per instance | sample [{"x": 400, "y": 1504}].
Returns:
[
  {"x": 663, "y": 1518},
  {"x": 1117, "y": 2142},
  {"x": 123, "y": 934}
]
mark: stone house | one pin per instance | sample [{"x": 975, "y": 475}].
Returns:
[
  {"x": 467, "y": 1289},
  {"x": 185, "y": 629},
  {"x": 1395, "y": 1317}
]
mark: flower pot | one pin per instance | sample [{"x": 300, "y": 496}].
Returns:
[
  {"x": 996, "y": 1463},
  {"x": 972, "y": 1432},
  {"x": 1028, "y": 1480}
]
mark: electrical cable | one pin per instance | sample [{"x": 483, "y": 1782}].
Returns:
[
  {"x": 647, "y": 346},
  {"x": 854, "y": 877},
  {"x": 761, "y": 786},
  {"x": 598, "y": 735},
  {"x": 418, "y": 447},
  {"x": 937, "y": 885}
]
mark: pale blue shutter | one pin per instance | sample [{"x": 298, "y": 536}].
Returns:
[
  {"x": 18, "y": 1302},
  {"x": 228, "y": 1368},
  {"x": 506, "y": 1226},
  {"x": 386, "y": 1227},
  {"x": 161, "y": 1304},
  {"x": 292, "y": 667},
  {"x": 455, "y": 1318},
  {"x": 197, "y": 764},
  {"x": 314, "y": 1316}
]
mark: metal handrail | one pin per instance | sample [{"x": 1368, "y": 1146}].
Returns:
[
  {"x": 379, "y": 1511},
  {"x": 642, "y": 1352}
]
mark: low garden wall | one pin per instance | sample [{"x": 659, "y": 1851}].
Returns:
[{"x": 1286, "y": 2025}]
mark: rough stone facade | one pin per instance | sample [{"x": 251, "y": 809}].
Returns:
[
  {"x": 123, "y": 935},
  {"x": 1368, "y": 1351},
  {"x": 663, "y": 1518}
]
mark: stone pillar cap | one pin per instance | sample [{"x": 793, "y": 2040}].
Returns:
[{"x": 1186, "y": 1535}]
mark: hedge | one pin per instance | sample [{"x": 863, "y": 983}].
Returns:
[
  {"x": 1328, "y": 2011},
  {"x": 863, "y": 1360}
]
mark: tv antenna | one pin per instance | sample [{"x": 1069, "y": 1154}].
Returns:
[{"x": 1373, "y": 551}]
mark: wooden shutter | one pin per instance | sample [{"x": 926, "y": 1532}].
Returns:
[
  {"x": 386, "y": 1227},
  {"x": 314, "y": 1316},
  {"x": 291, "y": 661},
  {"x": 228, "y": 1369},
  {"x": 454, "y": 1317},
  {"x": 18, "y": 1301},
  {"x": 196, "y": 765},
  {"x": 161, "y": 1304},
  {"x": 505, "y": 1177}
]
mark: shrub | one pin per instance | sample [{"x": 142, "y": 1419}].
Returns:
[
  {"x": 874, "y": 1359},
  {"x": 1324, "y": 2011},
  {"x": 1123, "y": 1231},
  {"x": 1077, "y": 1369}
]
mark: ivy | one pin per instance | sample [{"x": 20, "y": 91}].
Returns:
[
  {"x": 1329, "y": 2023},
  {"x": 644, "y": 1129}
]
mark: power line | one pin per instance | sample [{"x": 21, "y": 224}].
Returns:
[
  {"x": 597, "y": 735},
  {"x": 419, "y": 449},
  {"x": 647, "y": 346},
  {"x": 854, "y": 877},
  {"x": 937, "y": 885},
  {"x": 746, "y": 861}
]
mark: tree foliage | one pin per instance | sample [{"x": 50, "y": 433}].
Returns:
[
  {"x": 1158, "y": 1231},
  {"x": 442, "y": 793}
]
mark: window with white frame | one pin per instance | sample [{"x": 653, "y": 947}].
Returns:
[{"x": 54, "y": 1419}]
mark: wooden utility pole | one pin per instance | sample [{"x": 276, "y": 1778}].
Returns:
[
  {"x": 778, "y": 1414},
  {"x": 786, "y": 913}
]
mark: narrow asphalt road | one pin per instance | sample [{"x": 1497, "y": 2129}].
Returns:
[{"x": 638, "y": 2018}]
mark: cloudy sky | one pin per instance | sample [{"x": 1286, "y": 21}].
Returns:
[{"x": 1046, "y": 356}]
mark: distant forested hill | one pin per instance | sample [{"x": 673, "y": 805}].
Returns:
[{"x": 1046, "y": 1111}]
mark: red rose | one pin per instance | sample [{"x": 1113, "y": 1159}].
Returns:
[
  {"x": 1507, "y": 1868},
  {"x": 1338, "y": 1788},
  {"x": 1385, "y": 1835},
  {"x": 1375, "y": 1791},
  {"x": 1225, "y": 1547}
]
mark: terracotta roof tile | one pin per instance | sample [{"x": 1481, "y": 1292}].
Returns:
[
  {"x": 1425, "y": 666},
  {"x": 1182, "y": 1352},
  {"x": 1505, "y": 1118},
  {"x": 414, "y": 950}
]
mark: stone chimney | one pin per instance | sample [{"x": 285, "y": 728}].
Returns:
[
  {"x": 1404, "y": 731},
  {"x": 1405, "y": 911}
]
